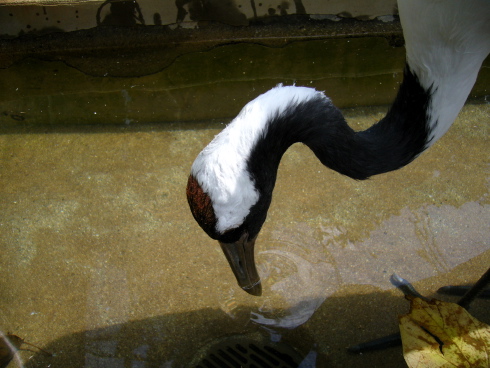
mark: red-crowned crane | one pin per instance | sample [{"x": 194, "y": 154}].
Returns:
[{"x": 231, "y": 182}]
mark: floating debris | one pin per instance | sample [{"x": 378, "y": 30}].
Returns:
[{"x": 441, "y": 334}]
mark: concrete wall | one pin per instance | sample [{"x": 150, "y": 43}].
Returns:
[{"x": 18, "y": 17}]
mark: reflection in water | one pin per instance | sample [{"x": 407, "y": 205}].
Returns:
[
  {"x": 299, "y": 282},
  {"x": 433, "y": 240},
  {"x": 298, "y": 271},
  {"x": 94, "y": 235},
  {"x": 304, "y": 265},
  {"x": 297, "y": 275},
  {"x": 103, "y": 310}
]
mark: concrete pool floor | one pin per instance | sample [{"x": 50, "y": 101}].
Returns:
[{"x": 103, "y": 265}]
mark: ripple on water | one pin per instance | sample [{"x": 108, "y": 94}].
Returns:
[
  {"x": 297, "y": 276},
  {"x": 303, "y": 265}
]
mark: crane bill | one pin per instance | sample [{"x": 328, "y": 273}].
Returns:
[{"x": 240, "y": 256}]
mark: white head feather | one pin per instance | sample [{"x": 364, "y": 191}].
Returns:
[{"x": 221, "y": 168}]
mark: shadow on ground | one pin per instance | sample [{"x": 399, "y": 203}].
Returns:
[{"x": 173, "y": 340}]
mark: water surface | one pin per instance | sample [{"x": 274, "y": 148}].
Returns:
[{"x": 103, "y": 265}]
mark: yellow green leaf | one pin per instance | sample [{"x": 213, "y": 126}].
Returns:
[{"x": 443, "y": 335}]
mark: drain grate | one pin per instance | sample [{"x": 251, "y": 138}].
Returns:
[{"x": 243, "y": 351}]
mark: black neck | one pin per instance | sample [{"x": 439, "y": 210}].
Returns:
[{"x": 388, "y": 145}]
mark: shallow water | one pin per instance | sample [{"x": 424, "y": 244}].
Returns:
[{"x": 103, "y": 265}]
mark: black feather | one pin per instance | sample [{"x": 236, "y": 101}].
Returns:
[{"x": 391, "y": 143}]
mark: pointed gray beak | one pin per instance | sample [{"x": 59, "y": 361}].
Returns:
[{"x": 240, "y": 256}]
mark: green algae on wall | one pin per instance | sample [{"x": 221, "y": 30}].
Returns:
[{"x": 204, "y": 85}]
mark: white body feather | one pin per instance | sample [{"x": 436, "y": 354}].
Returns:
[{"x": 446, "y": 42}]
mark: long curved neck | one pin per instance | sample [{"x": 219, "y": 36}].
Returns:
[
  {"x": 446, "y": 43},
  {"x": 388, "y": 145},
  {"x": 391, "y": 143}
]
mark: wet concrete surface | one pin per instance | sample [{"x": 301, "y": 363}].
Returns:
[
  {"x": 138, "y": 51},
  {"x": 115, "y": 75},
  {"x": 103, "y": 265},
  {"x": 79, "y": 89}
]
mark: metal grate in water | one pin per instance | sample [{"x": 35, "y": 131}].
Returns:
[{"x": 246, "y": 352}]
